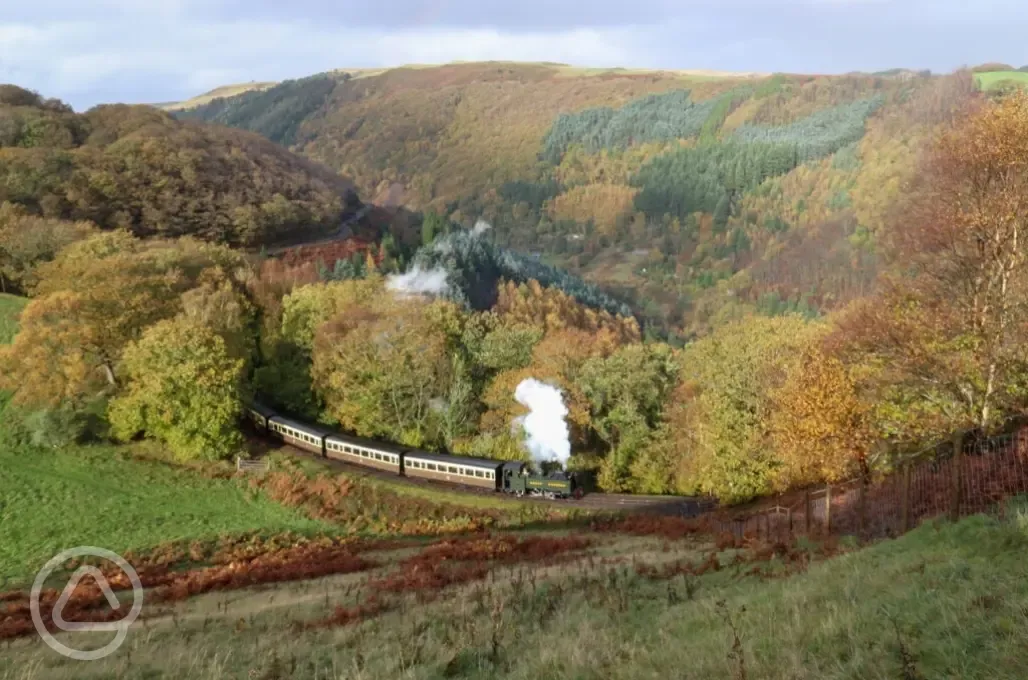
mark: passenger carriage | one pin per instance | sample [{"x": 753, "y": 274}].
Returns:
[
  {"x": 361, "y": 451},
  {"x": 258, "y": 415},
  {"x": 302, "y": 435},
  {"x": 479, "y": 472}
]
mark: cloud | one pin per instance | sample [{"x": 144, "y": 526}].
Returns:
[{"x": 139, "y": 51}]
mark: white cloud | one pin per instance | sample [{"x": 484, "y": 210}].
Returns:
[
  {"x": 76, "y": 60},
  {"x": 142, "y": 50}
]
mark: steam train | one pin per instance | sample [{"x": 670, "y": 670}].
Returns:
[{"x": 512, "y": 477}]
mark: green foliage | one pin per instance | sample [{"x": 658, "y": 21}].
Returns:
[
  {"x": 704, "y": 178},
  {"x": 771, "y": 86},
  {"x": 474, "y": 265},
  {"x": 183, "y": 389},
  {"x": 735, "y": 372},
  {"x": 627, "y": 392},
  {"x": 508, "y": 347},
  {"x": 277, "y": 113},
  {"x": 724, "y": 106},
  {"x": 655, "y": 118},
  {"x": 820, "y": 134}
]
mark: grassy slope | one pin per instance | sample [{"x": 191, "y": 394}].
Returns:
[
  {"x": 10, "y": 308},
  {"x": 51, "y": 501},
  {"x": 993, "y": 80},
  {"x": 223, "y": 91},
  {"x": 958, "y": 595}
]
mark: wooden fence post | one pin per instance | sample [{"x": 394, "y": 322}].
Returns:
[
  {"x": 806, "y": 512},
  {"x": 958, "y": 459},
  {"x": 906, "y": 499},
  {"x": 828, "y": 510}
]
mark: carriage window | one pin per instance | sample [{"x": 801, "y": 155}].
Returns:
[
  {"x": 453, "y": 469},
  {"x": 431, "y": 466}
]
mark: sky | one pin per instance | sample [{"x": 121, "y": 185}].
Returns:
[{"x": 146, "y": 51}]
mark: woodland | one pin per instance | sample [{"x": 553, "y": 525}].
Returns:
[
  {"x": 697, "y": 201},
  {"x": 908, "y": 329}
]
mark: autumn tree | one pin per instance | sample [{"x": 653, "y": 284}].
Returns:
[
  {"x": 384, "y": 370},
  {"x": 733, "y": 375},
  {"x": 820, "y": 427},
  {"x": 182, "y": 388},
  {"x": 551, "y": 309},
  {"x": 948, "y": 325},
  {"x": 92, "y": 300},
  {"x": 558, "y": 359},
  {"x": 27, "y": 241}
]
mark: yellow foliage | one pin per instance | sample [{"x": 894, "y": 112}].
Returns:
[
  {"x": 819, "y": 425},
  {"x": 603, "y": 204}
]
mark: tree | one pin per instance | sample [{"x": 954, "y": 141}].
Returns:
[
  {"x": 626, "y": 393},
  {"x": 217, "y": 304},
  {"x": 949, "y": 323},
  {"x": 183, "y": 388},
  {"x": 733, "y": 374},
  {"x": 92, "y": 300},
  {"x": 385, "y": 370},
  {"x": 819, "y": 426},
  {"x": 27, "y": 241}
]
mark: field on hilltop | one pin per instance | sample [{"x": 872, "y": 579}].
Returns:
[
  {"x": 998, "y": 80},
  {"x": 699, "y": 197}
]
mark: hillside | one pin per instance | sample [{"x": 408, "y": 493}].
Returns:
[
  {"x": 137, "y": 168},
  {"x": 700, "y": 196},
  {"x": 942, "y": 601}
]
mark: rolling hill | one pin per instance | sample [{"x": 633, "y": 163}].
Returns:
[
  {"x": 138, "y": 168},
  {"x": 698, "y": 196}
]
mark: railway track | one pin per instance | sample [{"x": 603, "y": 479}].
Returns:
[{"x": 680, "y": 506}]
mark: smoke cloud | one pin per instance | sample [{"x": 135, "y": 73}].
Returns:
[
  {"x": 481, "y": 227},
  {"x": 419, "y": 281},
  {"x": 547, "y": 436}
]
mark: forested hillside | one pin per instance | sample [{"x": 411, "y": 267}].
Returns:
[
  {"x": 423, "y": 336},
  {"x": 136, "y": 168},
  {"x": 700, "y": 199}
]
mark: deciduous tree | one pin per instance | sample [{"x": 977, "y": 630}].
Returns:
[{"x": 183, "y": 388}]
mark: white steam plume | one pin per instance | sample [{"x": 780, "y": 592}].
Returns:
[
  {"x": 546, "y": 432},
  {"x": 419, "y": 281},
  {"x": 481, "y": 227}
]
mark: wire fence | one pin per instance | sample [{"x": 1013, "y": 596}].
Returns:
[{"x": 965, "y": 476}]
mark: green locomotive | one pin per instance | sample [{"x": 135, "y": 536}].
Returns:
[{"x": 520, "y": 479}]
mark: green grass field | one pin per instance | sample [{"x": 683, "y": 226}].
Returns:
[
  {"x": 994, "y": 80},
  {"x": 10, "y": 308},
  {"x": 99, "y": 496},
  {"x": 945, "y": 601}
]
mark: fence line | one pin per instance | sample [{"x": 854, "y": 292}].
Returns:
[{"x": 972, "y": 476}]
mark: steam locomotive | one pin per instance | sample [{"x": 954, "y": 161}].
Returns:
[{"x": 512, "y": 477}]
